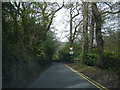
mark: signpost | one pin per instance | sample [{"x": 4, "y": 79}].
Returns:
[
  {"x": 71, "y": 53},
  {"x": 71, "y": 48}
]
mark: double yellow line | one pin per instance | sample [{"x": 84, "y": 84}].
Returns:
[{"x": 88, "y": 79}]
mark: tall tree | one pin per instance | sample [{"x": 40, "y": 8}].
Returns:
[
  {"x": 25, "y": 27},
  {"x": 98, "y": 15},
  {"x": 99, "y": 39},
  {"x": 91, "y": 29},
  {"x": 85, "y": 31},
  {"x": 74, "y": 29}
]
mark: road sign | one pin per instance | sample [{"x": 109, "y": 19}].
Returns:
[
  {"x": 71, "y": 48},
  {"x": 71, "y": 52}
]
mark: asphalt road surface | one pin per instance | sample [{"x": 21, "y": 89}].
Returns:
[{"x": 59, "y": 76}]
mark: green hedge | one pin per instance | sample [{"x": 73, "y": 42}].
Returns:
[
  {"x": 91, "y": 59},
  {"x": 111, "y": 61}
]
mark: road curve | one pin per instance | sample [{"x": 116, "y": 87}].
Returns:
[{"x": 59, "y": 76}]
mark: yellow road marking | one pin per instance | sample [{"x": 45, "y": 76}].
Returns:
[{"x": 88, "y": 79}]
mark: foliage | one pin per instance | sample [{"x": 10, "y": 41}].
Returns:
[
  {"x": 111, "y": 61},
  {"x": 64, "y": 52},
  {"x": 91, "y": 59},
  {"x": 27, "y": 44},
  {"x": 111, "y": 42},
  {"x": 94, "y": 50}
]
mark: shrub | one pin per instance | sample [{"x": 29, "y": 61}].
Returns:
[
  {"x": 94, "y": 50},
  {"x": 64, "y": 52},
  {"x": 91, "y": 59},
  {"x": 80, "y": 56},
  {"x": 64, "y": 55},
  {"x": 111, "y": 61}
]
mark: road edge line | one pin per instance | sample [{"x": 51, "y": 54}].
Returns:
[{"x": 96, "y": 84}]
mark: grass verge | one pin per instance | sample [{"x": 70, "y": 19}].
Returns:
[{"x": 107, "y": 78}]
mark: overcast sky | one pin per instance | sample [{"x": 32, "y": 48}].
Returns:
[{"x": 60, "y": 25}]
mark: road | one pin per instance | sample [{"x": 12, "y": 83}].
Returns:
[{"x": 59, "y": 76}]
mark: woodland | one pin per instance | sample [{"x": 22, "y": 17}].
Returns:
[{"x": 29, "y": 44}]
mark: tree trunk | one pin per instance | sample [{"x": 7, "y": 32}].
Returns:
[
  {"x": 70, "y": 40},
  {"x": 98, "y": 20},
  {"x": 91, "y": 30},
  {"x": 85, "y": 31}
]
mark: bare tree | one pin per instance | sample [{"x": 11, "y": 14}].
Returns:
[
  {"x": 72, "y": 17},
  {"x": 85, "y": 31},
  {"x": 99, "y": 38},
  {"x": 91, "y": 29},
  {"x": 100, "y": 42}
]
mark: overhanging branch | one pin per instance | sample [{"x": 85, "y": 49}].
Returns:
[
  {"x": 51, "y": 19},
  {"x": 110, "y": 12}
]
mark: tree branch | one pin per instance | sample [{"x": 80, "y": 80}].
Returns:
[
  {"x": 108, "y": 5},
  {"x": 53, "y": 16},
  {"x": 111, "y": 12},
  {"x": 76, "y": 29},
  {"x": 76, "y": 14}
]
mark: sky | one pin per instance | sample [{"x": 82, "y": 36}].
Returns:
[{"x": 60, "y": 25}]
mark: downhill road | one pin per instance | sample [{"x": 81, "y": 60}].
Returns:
[{"x": 59, "y": 76}]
